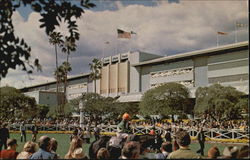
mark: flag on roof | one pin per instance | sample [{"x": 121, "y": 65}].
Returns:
[
  {"x": 222, "y": 33},
  {"x": 123, "y": 34}
]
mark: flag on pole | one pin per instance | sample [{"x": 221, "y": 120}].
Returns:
[
  {"x": 107, "y": 42},
  {"x": 123, "y": 34},
  {"x": 222, "y": 33}
]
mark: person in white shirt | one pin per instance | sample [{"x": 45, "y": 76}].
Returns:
[{"x": 23, "y": 132}]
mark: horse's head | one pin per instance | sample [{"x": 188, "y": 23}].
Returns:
[
  {"x": 96, "y": 145},
  {"x": 158, "y": 141},
  {"x": 150, "y": 141}
]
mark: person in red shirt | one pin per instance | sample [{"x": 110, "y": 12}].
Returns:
[{"x": 10, "y": 152}]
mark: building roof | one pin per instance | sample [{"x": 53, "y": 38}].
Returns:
[
  {"x": 54, "y": 82},
  {"x": 194, "y": 53}
]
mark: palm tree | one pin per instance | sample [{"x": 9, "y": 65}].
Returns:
[
  {"x": 61, "y": 76},
  {"x": 95, "y": 68},
  {"x": 67, "y": 47},
  {"x": 56, "y": 39}
]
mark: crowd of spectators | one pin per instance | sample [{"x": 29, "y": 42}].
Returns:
[
  {"x": 63, "y": 123},
  {"x": 46, "y": 148}
]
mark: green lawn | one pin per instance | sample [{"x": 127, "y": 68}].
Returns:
[{"x": 64, "y": 140}]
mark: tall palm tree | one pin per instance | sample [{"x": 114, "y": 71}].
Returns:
[
  {"x": 56, "y": 39},
  {"x": 67, "y": 47},
  {"x": 95, "y": 68}
]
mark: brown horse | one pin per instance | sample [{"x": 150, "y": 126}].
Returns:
[{"x": 115, "y": 145}]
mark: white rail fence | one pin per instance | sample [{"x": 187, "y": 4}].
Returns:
[{"x": 213, "y": 133}]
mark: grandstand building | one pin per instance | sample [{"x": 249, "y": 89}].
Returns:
[{"x": 129, "y": 75}]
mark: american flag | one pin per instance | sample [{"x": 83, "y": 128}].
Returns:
[{"x": 123, "y": 34}]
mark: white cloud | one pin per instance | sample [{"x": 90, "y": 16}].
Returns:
[{"x": 167, "y": 28}]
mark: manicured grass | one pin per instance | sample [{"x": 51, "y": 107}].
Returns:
[{"x": 64, "y": 140}]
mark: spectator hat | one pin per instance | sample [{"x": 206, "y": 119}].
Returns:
[{"x": 78, "y": 153}]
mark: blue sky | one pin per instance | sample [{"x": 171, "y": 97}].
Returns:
[{"x": 163, "y": 27}]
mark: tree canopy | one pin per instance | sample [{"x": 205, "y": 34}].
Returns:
[
  {"x": 167, "y": 99},
  {"x": 14, "y": 50},
  {"x": 218, "y": 101},
  {"x": 14, "y": 104},
  {"x": 96, "y": 105}
]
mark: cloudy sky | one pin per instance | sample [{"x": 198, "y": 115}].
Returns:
[{"x": 163, "y": 27}]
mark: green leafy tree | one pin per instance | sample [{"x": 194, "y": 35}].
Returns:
[
  {"x": 218, "y": 101},
  {"x": 14, "y": 104},
  {"x": 14, "y": 50},
  {"x": 95, "y": 68},
  {"x": 243, "y": 105},
  {"x": 42, "y": 110},
  {"x": 167, "y": 99},
  {"x": 120, "y": 108}
]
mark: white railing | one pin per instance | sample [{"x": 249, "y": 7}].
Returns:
[{"x": 213, "y": 133}]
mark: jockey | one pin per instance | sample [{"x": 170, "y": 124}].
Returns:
[{"x": 123, "y": 127}]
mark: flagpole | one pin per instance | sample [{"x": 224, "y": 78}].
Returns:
[
  {"x": 103, "y": 50},
  {"x": 217, "y": 39},
  {"x": 235, "y": 38}
]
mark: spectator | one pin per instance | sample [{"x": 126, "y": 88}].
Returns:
[
  {"x": 29, "y": 149},
  {"x": 244, "y": 152},
  {"x": 4, "y": 135},
  {"x": 183, "y": 140},
  {"x": 10, "y": 152},
  {"x": 87, "y": 134},
  {"x": 230, "y": 152},
  {"x": 53, "y": 147},
  {"x": 176, "y": 146},
  {"x": 74, "y": 134},
  {"x": 75, "y": 149},
  {"x": 79, "y": 154},
  {"x": 23, "y": 132},
  {"x": 44, "y": 149},
  {"x": 131, "y": 150},
  {"x": 201, "y": 140},
  {"x": 166, "y": 149},
  {"x": 96, "y": 132},
  {"x": 213, "y": 152},
  {"x": 103, "y": 153},
  {"x": 168, "y": 135},
  {"x": 34, "y": 131}
]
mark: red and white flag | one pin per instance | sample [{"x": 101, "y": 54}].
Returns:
[{"x": 222, "y": 33}]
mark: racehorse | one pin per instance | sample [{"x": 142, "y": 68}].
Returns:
[{"x": 115, "y": 144}]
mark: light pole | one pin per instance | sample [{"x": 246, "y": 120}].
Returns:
[{"x": 81, "y": 113}]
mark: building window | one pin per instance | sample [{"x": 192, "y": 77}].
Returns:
[
  {"x": 171, "y": 72},
  {"x": 232, "y": 78}
]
